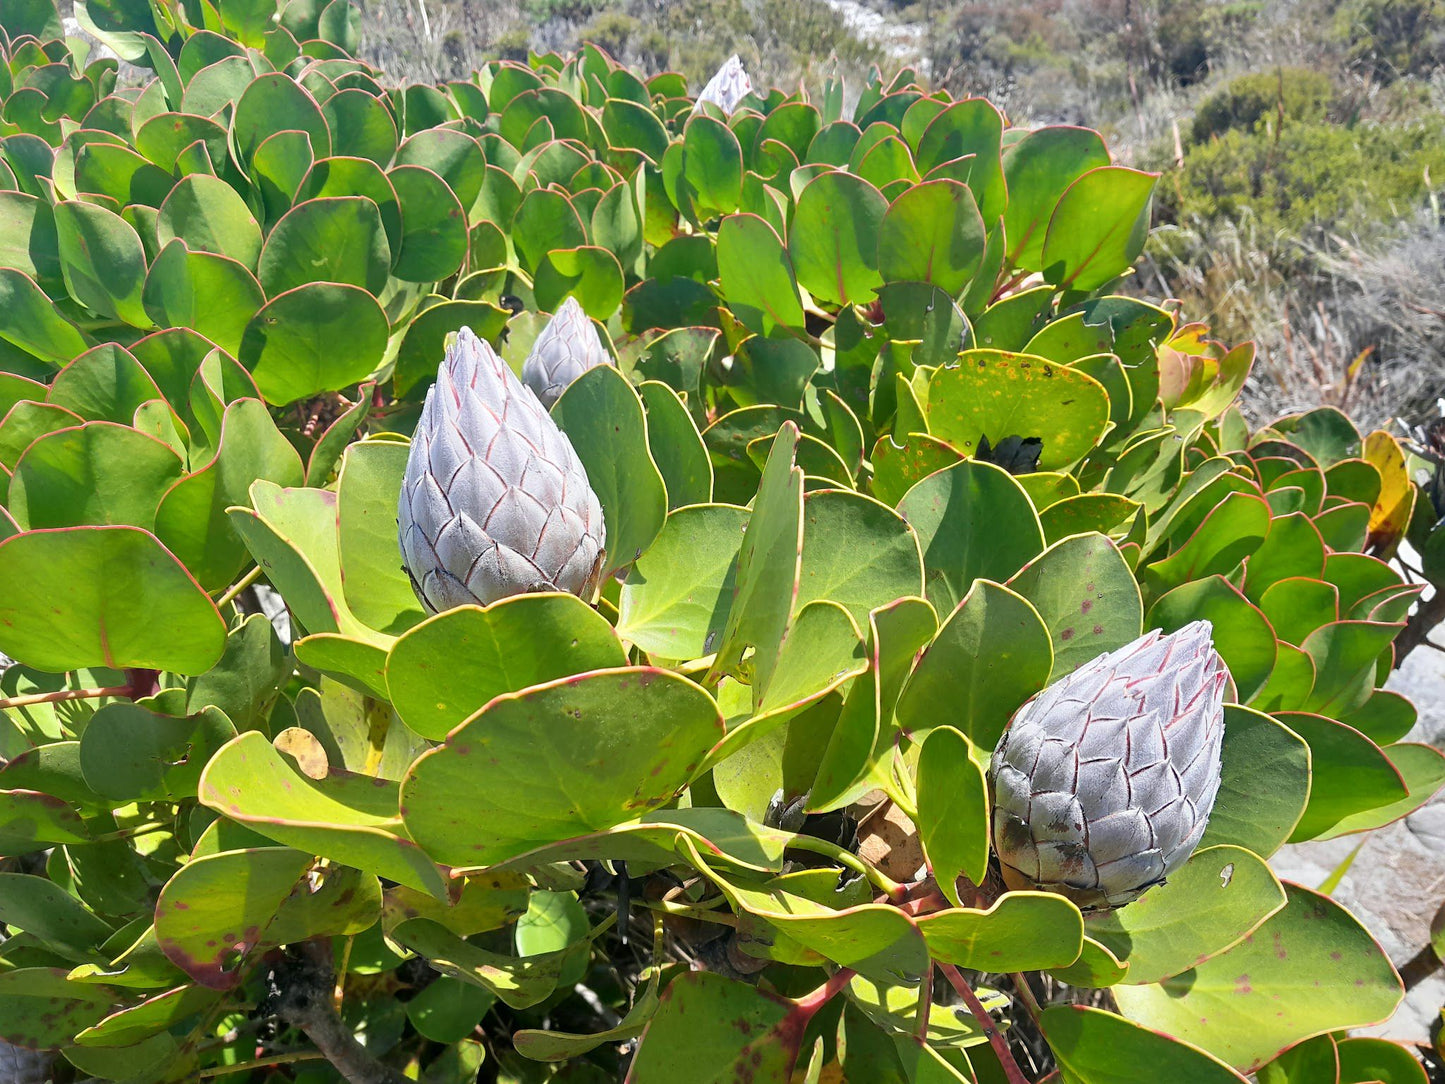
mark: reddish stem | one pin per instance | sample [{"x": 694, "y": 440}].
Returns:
[
  {"x": 934, "y": 901},
  {"x": 63, "y": 694},
  {"x": 996, "y": 1040},
  {"x": 925, "y": 1004},
  {"x": 807, "y": 1006}
]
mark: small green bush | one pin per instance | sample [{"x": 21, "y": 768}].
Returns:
[
  {"x": 1261, "y": 98},
  {"x": 1391, "y": 38}
]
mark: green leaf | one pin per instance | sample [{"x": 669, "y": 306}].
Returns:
[
  {"x": 519, "y": 982},
  {"x": 151, "y": 1017},
  {"x": 1265, "y": 783},
  {"x": 134, "y": 754},
  {"x": 1208, "y": 905},
  {"x": 1022, "y": 931},
  {"x": 1366, "y": 1059},
  {"x": 677, "y": 596},
  {"x": 1085, "y": 592},
  {"x": 102, "y": 260},
  {"x": 1097, "y": 1047},
  {"x": 932, "y": 233},
  {"x": 973, "y": 522},
  {"x": 857, "y": 552},
  {"x": 314, "y": 338},
  {"x": 953, "y": 816},
  {"x": 219, "y": 909},
  {"x": 993, "y": 394},
  {"x": 757, "y": 275},
  {"x": 710, "y": 1030},
  {"x": 550, "y": 1045},
  {"x": 834, "y": 238},
  {"x": 206, "y": 213},
  {"x": 876, "y": 940},
  {"x": 425, "y": 340},
  {"x": 1038, "y": 170},
  {"x": 337, "y": 239},
  {"x": 1309, "y": 969},
  {"x": 377, "y": 591},
  {"x": 104, "y": 596},
  {"x": 351, "y": 819},
  {"x": 1349, "y": 773},
  {"x": 95, "y": 473},
  {"x": 973, "y": 127},
  {"x": 603, "y": 418},
  {"x": 47, "y": 913},
  {"x": 244, "y": 684},
  {"x": 434, "y": 226},
  {"x": 574, "y": 756},
  {"x": 444, "y": 670},
  {"x": 711, "y": 168},
  {"x": 676, "y": 446},
  {"x": 1098, "y": 228},
  {"x": 43, "y": 1009},
  {"x": 590, "y": 274},
  {"x": 1421, "y": 767},
  {"x": 1242, "y": 635},
  {"x": 769, "y": 562},
  {"x": 991, "y": 655},
  {"x": 276, "y": 103},
  {"x": 1304, "y": 1063},
  {"x": 545, "y": 220},
  {"x": 31, "y": 322},
  {"x": 213, "y": 295},
  {"x": 192, "y": 518}
]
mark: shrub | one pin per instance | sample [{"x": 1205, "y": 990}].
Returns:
[
  {"x": 1264, "y": 100},
  {"x": 880, "y": 454}
]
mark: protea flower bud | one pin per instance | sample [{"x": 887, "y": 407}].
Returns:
[
  {"x": 1103, "y": 783},
  {"x": 728, "y": 87},
  {"x": 21, "y": 1066},
  {"x": 568, "y": 346},
  {"x": 494, "y": 501}
]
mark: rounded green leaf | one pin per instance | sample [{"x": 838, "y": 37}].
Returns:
[
  {"x": 545, "y": 220},
  {"x": 1097, "y": 1047},
  {"x": 974, "y": 522},
  {"x": 444, "y": 670},
  {"x": 952, "y": 811},
  {"x": 676, "y": 446},
  {"x": 277, "y": 103},
  {"x": 1085, "y": 592},
  {"x": 192, "y": 518},
  {"x": 337, "y": 239},
  {"x": 571, "y": 757},
  {"x": 857, "y": 552},
  {"x": 590, "y": 274},
  {"x": 1242, "y": 635},
  {"x": 1349, "y": 773},
  {"x": 994, "y": 394},
  {"x": 1208, "y": 905},
  {"x": 1022, "y": 931},
  {"x": 134, "y": 754},
  {"x": 1098, "y": 228},
  {"x": 211, "y": 294},
  {"x": 314, "y": 338},
  {"x": 29, "y": 320},
  {"x": 1039, "y": 169},
  {"x": 350, "y": 818},
  {"x": 932, "y": 233},
  {"x": 434, "y": 226},
  {"x": 377, "y": 591},
  {"x": 991, "y": 655},
  {"x": 1365, "y": 1059},
  {"x": 677, "y": 595},
  {"x": 96, "y": 473},
  {"x": 1309, "y": 969},
  {"x": 757, "y": 275},
  {"x": 102, "y": 260},
  {"x": 834, "y": 238},
  {"x": 603, "y": 418},
  {"x": 104, "y": 596},
  {"x": 207, "y": 214}
]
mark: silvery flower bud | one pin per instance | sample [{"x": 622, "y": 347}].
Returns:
[
  {"x": 567, "y": 347},
  {"x": 494, "y": 501},
  {"x": 1102, "y": 784},
  {"x": 728, "y": 87},
  {"x": 19, "y": 1065}
]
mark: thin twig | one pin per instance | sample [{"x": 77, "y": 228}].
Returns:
[
  {"x": 288, "y": 1058},
  {"x": 240, "y": 585},
  {"x": 63, "y": 694}
]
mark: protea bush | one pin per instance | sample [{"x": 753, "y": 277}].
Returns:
[{"x": 534, "y": 578}]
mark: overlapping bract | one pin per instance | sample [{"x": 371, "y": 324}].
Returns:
[
  {"x": 728, "y": 87},
  {"x": 21, "y": 1066},
  {"x": 567, "y": 347},
  {"x": 495, "y": 501},
  {"x": 1103, "y": 784}
]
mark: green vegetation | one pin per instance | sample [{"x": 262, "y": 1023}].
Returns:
[{"x": 860, "y": 478}]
